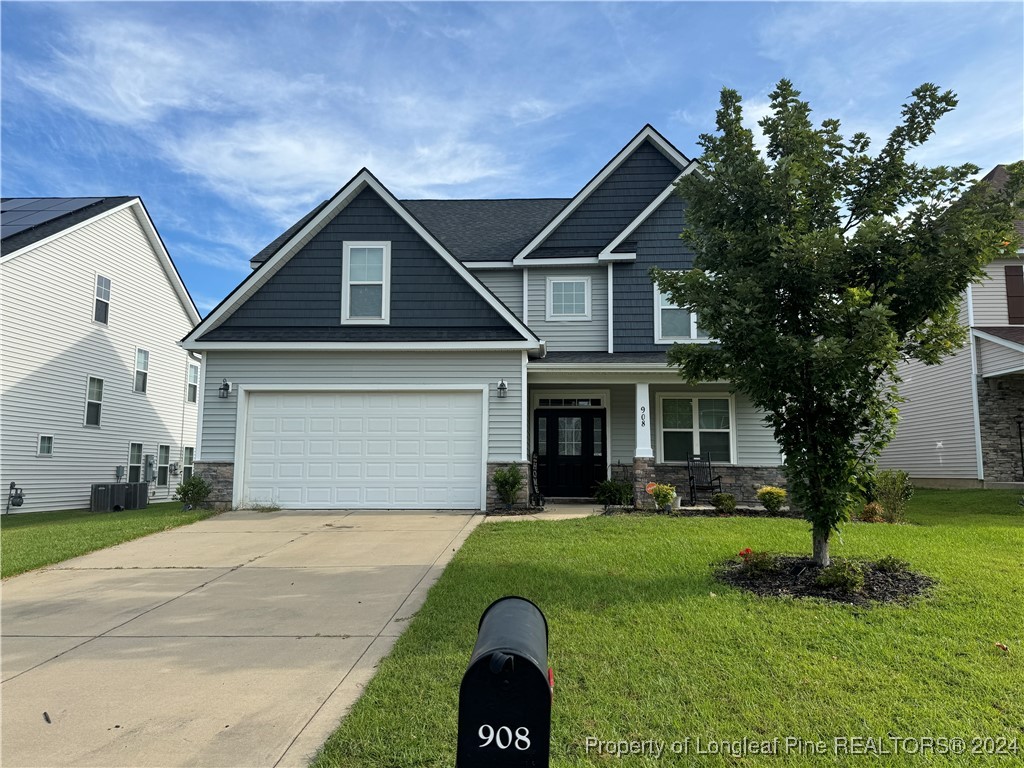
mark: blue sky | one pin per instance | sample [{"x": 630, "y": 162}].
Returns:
[{"x": 231, "y": 120}]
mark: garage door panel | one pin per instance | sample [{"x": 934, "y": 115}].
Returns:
[{"x": 386, "y": 449}]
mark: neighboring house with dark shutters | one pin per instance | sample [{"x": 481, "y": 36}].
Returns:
[
  {"x": 93, "y": 378},
  {"x": 958, "y": 426},
  {"x": 391, "y": 353}
]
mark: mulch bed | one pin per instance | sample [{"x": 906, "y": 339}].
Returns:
[{"x": 795, "y": 577}]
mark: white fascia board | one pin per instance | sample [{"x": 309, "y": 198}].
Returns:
[
  {"x": 488, "y": 264},
  {"x": 345, "y": 195},
  {"x": 73, "y": 228},
  {"x": 378, "y": 346},
  {"x": 566, "y": 262},
  {"x": 647, "y": 133},
  {"x": 606, "y": 253},
  {"x": 996, "y": 340}
]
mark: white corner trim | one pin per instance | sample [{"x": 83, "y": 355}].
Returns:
[
  {"x": 549, "y": 283},
  {"x": 526, "y": 296},
  {"x": 611, "y": 308},
  {"x": 385, "y": 284},
  {"x": 525, "y": 456},
  {"x": 970, "y": 306},
  {"x": 200, "y": 400},
  {"x": 646, "y": 133},
  {"x": 975, "y": 411}
]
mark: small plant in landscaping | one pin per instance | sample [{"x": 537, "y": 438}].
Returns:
[
  {"x": 872, "y": 513},
  {"x": 193, "y": 492},
  {"x": 259, "y": 506},
  {"x": 662, "y": 493},
  {"x": 508, "y": 481},
  {"x": 757, "y": 563},
  {"x": 891, "y": 564},
  {"x": 772, "y": 498},
  {"x": 843, "y": 575},
  {"x": 892, "y": 489},
  {"x": 614, "y": 493},
  {"x": 724, "y": 502}
]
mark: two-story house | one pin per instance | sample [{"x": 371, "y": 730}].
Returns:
[
  {"x": 962, "y": 422},
  {"x": 92, "y": 374},
  {"x": 393, "y": 353}
]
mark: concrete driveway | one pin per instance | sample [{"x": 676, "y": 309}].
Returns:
[{"x": 237, "y": 641}]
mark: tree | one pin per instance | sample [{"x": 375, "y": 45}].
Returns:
[{"x": 818, "y": 267}]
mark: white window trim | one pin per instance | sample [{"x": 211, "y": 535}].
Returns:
[
  {"x": 39, "y": 446},
  {"x": 85, "y": 414},
  {"x": 695, "y": 396},
  {"x": 160, "y": 466},
  {"x": 95, "y": 298},
  {"x": 191, "y": 466},
  {"x": 385, "y": 284},
  {"x": 137, "y": 371},
  {"x": 128, "y": 464},
  {"x": 548, "y": 311},
  {"x": 659, "y": 339},
  {"x": 188, "y": 383}
]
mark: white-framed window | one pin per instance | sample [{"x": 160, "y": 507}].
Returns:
[
  {"x": 93, "y": 402},
  {"x": 101, "y": 307},
  {"x": 134, "y": 462},
  {"x": 188, "y": 455},
  {"x": 568, "y": 298},
  {"x": 141, "y": 370},
  {"x": 44, "y": 445},
  {"x": 163, "y": 464},
  {"x": 192, "y": 384},
  {"x": 366, "y": 283},
  {"x": 672, "y": 324},
  {"x": 696, "y": 424}
]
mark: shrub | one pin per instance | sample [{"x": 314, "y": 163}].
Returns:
[
  {"x": 893, "y": 489},
  {"x": 193, "y": 492},
  {"x": 890, "y": 564},
  {"x": 614, "y": 493},
  {"x": 508, "y": 481},
  {"x": 772, "y": 498},
  {"x": 724, "y": 502},
  {"x": 662, "y": 493},
  {"x": 872, "y": 513},
  {"x": 757, "y": 563},
  {"x": 844, "y": 575}
]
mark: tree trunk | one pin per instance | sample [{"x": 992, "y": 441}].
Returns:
[{"x": 821, "y": 546}]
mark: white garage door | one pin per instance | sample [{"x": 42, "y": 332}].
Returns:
[{"x": 374, "y": 450}]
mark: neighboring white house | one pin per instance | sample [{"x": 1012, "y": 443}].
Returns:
[
  {"x": 959, "y": 425},
  {"x": 92, "y": 374}
]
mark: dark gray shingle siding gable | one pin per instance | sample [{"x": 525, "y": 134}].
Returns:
[
  {"x": 302, "y": 302},
  {"x": 613, "y": 205},
  {"x": 657, "y": 245}
]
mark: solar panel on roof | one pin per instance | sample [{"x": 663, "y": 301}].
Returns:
[
  {"x": 14, "y": 203},
  {"x": 73, "y": 204}
]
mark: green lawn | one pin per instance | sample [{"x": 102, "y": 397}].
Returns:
[
  {"x": 645, "y": 645},
  {"x": 35, "y": 539}
]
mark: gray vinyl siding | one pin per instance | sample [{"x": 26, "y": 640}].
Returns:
[
  {"x": 996, "y": 358},
  {"x": 302, "y": 300},
  {"x": 989, "y": 296},
  {"x": 375, "y": 370},
  {"x": 622, "y": 429},
  {"x": 935, "y": 437},
  {"x": 51, "y": 346},
  {"x": 570, "y": 335},
  {"x": 657, "y": 245},
  {"x": 506, "y": 284},
  {"x": 614, "y": 204}
]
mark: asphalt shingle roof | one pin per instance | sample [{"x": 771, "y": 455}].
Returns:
[{"x": 27, "y": 220}]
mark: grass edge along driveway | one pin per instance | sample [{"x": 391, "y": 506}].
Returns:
[
  {"x": 33, "y": 540},
  {"x": 647, "y": 646}
]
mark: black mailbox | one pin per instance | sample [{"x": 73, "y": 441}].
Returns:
[{"x": 505, "y": 696}]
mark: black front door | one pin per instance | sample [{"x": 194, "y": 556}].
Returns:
[{"x": 570, "y": 445}]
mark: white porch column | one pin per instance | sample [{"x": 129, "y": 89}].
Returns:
[{"x": 643, "y": 422}]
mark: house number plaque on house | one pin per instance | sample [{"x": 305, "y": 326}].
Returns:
[{"x": 643, "y": 415}]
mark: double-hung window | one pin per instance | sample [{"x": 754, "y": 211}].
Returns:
[
  {"x": 45, "y": 445},
  {"x": 192, "y": 386},
  {"x": 163, "y": 463},
  {"x": 568, "y": 298},
  {"x": 93, "y": 402},
  {"x": 188, "y": 455},
  {"x": 141, "y": 370},
  {"x": 366, "y": 283},
  {"x": 134, "y": 462},
  {"x": 101, "y": 307},
  {"x": 672, "y": 323},
  {"x": 692, "y": 425}
]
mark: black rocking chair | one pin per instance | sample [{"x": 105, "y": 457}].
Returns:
[{"x": 701, "y": 480}]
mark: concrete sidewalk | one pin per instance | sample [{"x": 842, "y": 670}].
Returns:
[{"x": 237, "y": 641}]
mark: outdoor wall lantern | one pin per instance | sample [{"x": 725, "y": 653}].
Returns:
[
  {"x": 224, "y": 390},
  {"x": 502, "y": 389}
]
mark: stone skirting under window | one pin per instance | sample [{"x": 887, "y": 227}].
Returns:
[
  {"x": 741, "y": 482},
  {"x": 221, "y": 477}
]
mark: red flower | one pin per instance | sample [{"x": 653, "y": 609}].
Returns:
[{"x": 745, "y": 553}]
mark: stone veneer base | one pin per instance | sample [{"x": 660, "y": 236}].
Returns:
[{"x": 221, "y": 477}]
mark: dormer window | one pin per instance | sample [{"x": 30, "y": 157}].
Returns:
[{"x": 366, "y": 283}]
